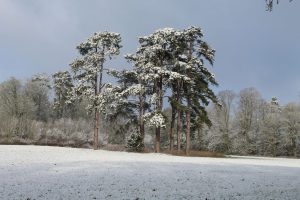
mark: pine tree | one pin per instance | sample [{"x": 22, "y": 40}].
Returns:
[
  {"x": 134, "y": 92},
  {"x": 174, "y": 59},
  {"x": 89, "y": 69},
  {"x": 197, "y": 92},
  {"x": 155, "y": 61}
]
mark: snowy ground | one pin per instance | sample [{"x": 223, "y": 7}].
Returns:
[{"x": 35, "y": 172}]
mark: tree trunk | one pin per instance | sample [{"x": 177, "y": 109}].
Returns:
[
  {"x": 179, "y": 126},
  {"x": 227, "y": 142},
  {"x": 188, "y": 129},
  {"x": 296, "y": 147},
  {"x": 141, "y": 119},
  {"x": 159, "y": 110},
  {"x": 179, "y": 122},
  {"x": 96, "y": 118},
  {"x": 96, "y": 130},
  {"x": 157, "y": 140},
  {"x": 188, "y": 112},
  {"x": 172, "y": 128},
  {"x": 98, "y": 89}
]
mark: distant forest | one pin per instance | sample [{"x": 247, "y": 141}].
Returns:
[{"x": 165, "y": 102}]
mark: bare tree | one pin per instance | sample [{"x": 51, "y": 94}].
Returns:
[
  {"x": 291, "y": 126},
  {"x": 247, "y": 119},
  {"x": 16, "y": 109},
  {"x": 270, "y": 133}
]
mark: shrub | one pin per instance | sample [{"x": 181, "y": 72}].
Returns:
[{"x": 135, "y": 142}]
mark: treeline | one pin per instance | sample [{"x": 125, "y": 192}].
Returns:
[
  {"x": 244, "y": 124},
  {"x": 247, "y": 124},
  {"x": 28, "y": 116}
]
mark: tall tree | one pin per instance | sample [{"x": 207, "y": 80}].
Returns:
[
  {"x": 197, "y": 92},
  {"x": 151, "y": 61},
  {"x": 271, "y": 125},
  {"x": 291, "y": 126},
  {"x": 172, "y": 59},
  {"x": 89, "y": 69},
  {"x": 221, "y": 117},
  {"x": 248, "y": 118},
  {"x": 226, "y": 99}
]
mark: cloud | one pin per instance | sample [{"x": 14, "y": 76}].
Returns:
[{"x": 254, "y": 47}]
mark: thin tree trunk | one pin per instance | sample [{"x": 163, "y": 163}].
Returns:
[
  {"x": 96, "y": 118},
  {"x": 157, "y": 140},
  {"x": 141, "y": 119},
  {"x": 172, "y": 128},
  {"x": 199, "y": 138},
  {"x": 188, "y": 129},
  {"x": 159, "y": 109},
  {"x": 15, "y": 96},
  {"x": 296, "y": 147},
  {"x": 97, "y": 112},
  {"x": 96, "y": 132},
  {"x": 179, "y": 126},
  {"x": 60, "y": 109},
  {"x": 188, "y": 112},
  {"x": 179, "y": 122}
]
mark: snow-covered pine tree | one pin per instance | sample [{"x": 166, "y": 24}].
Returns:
[
  {"x": 131, "y": 97},
  {"x": 152, "y": 62},
  {"x": 89, "y": 68},
  {"x": 197, "y": 92},
  {"x": 170, "y": 58}
]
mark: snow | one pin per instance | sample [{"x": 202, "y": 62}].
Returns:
[{"x": 40, "y": 172}]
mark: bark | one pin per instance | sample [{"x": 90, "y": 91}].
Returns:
[
  {"x": 98, "y": 89},
  {"x": 96, "y": 130},
  {"x": 188, "y": 129},
  {"x": 157, "y": 140},
  {"x": 60, "y": 109},
  {"x": 188, "y": 112},
  {"x": 98, "y": 114},
  {"x": 179, "y": 122},
  {"x": 227, "y": 142},
  {"x": 296, "y": 147},
  {"x": 96, "y": 118},
  {"x": 141, "y": 119},
  {"x": 159, "y": 109},
  {"x": 171, "y": 135},
  {"x": 179, "y": 126}
]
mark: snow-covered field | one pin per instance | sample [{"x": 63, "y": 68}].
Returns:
[{"x": 40, "y": 172}]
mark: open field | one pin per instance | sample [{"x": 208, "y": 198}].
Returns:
[{"x": 41, "y": 172}]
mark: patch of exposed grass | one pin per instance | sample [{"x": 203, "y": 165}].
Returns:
[{"x": 194, "y": 153}]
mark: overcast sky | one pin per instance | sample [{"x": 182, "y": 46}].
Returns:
[{"x": 254, "y": 47}]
